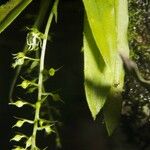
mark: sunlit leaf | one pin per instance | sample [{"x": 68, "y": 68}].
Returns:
[
  {"x": 104, "y": 38},
  {"x": 113, "y": 107},
  {"x": 95, "y": 71},
  {"x": 10, "y": 10},
  {"x": 122, "y": 20},
  {"x": 101, "y": 17}
]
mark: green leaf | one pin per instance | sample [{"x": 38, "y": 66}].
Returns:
[
  {"x": 101, "y": 17},
  {"x": 113, "y": 106},
  {"x": 112, "y": 110},
  {"x": 122, "y": 20},
  {"x": 10, "y": 10},
  {"x": 104, "y": 38},
  {"x": 95, "y": 73}
]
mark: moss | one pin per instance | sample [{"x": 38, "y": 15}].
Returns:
[{"x": 136, "y": 104}]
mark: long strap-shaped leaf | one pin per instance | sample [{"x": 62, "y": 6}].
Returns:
[
  {"x": 113, "y": 105},
  {"x": 108, "y": 22},
  {"x": 101, "y": 17},
  {"x": 95, "y": 72},
  {"x": 10, "y": 10}
]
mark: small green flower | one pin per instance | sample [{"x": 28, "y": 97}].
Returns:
[
  {"x": 52, "y": 71},
  {"x": 19, "y": 59},
  {"x": 56, "y": 97},
  {"x": 48, "y": 129},
  {"x": 29, "y": 142},
  {"x": 19, "y": 103},
  {"x": 20, "y": 55},
  {"x": 18, "y": 148},
  {"x": 34, "y": 39},
  {"x": 25, "y": 84},
  {"x": 18, "y": 137}
]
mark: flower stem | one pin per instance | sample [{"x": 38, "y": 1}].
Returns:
[
  {"x": 37, "y": 24},
  {"x": 40, "y": 81}
]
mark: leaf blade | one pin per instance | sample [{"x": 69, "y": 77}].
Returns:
[
  {"x": 103, "y": 29},
  {"x": 108, "y": 21},
  {"x": 10, "y": 11},
  {"x": 95, "y": 73},
  {"x": 112, "y": 109}
]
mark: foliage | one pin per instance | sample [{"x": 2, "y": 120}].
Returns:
[
  {"x": 105, "y": 30},
  {"x": 104, "y": 40},
  {"x": 10, "y": 11}
]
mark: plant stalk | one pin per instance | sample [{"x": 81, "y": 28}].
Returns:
[
  {"x": 40, "y": 81},
  {"x": 37, "y": 24}
]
